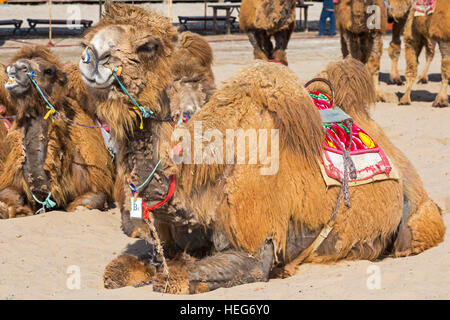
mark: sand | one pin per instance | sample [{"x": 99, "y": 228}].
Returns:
[{"x": 37, "y": 252}]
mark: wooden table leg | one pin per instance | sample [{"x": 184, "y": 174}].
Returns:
[
  {"x": 306, "y": 19},
  {"x": 227, "y": 21},
  {"x": 214, "y": 20}
]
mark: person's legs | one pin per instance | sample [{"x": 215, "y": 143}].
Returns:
[
  {"x": 332, "y": 30},
  {"x": 323, "y": 18}
]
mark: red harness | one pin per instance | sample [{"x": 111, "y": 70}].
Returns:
[{"x": 146, "y": 210}]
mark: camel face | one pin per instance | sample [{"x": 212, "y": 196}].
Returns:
[
  {"x": 103, "y": 52},
  {"x": 112, "y": 48},
  {"x": 47, "y": 76},
  {"x": 189, "y": 99}
]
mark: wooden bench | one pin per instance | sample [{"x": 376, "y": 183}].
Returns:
[
  {"x": 185, "y": 19},
  {"x": 17, "y": 23},
  {"x": 33, "y": 22}
]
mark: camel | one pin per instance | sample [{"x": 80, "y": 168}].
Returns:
[
  {"x": 419, "y": 31},
  {"x": 223, "y": 224},
  {"x": 193, "y": 78},
  {"x": 263, "y": 19},
  {"x": 6, "y": 111},
  {"x": 54, "y": 163},
  {"x": 397, "y": 14}
]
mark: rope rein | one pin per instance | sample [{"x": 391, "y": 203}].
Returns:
[
  {"x": 143, "y": 112},
  {"x": 47, "y": 203}
]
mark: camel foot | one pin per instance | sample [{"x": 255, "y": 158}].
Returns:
[
  {"x": 127, "y": 270},
  {"x": 9, "y": 212},
  {"x": 380, "y": 97},
  {"x": 395, "y": 80},
  {"x": 423, "y": 79},
  {"x": 405, "y": 101},
  {"x": 134, "y": 228},
  {"x": 280, "y": 55},
  {"x": 259, "y": 54},
  {"x": 440, "y": 102},
  {"x": 222, "y": 270},
  {"x": 89, "y": 200}
]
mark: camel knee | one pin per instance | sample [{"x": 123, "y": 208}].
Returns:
[
  {"x": 127, "y": 270},
  {"x": 223, "y": 270},
  {"x": 422, "y": 230}
]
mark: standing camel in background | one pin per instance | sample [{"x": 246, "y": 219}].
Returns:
[
  {"x": 421, "y": 28},
  {"x": 263, "y": 19}
]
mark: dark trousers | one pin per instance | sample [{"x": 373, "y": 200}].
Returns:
[{"x": 323, "y": 18}]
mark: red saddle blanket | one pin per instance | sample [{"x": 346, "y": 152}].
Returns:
[
  {"x": 424, "y": 7},
  {"x": 371, "y": 163}
]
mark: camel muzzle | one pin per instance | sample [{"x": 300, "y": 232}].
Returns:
[{"x": 18, "y": 81}]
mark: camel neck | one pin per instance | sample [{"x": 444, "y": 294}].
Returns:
[{"x": 35, "y": 145}]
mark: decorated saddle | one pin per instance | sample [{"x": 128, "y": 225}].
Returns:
[
  {"x": 424, "y": 7},
  {"x": 342, "y": 135}
]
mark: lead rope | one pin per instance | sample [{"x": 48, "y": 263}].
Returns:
[{"x": 349, "y": 170}]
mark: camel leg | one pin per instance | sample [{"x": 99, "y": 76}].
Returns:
[
  {"x": 258, "y": 52},
  {"x": 429, "y": 49},
  {"x": 412, "y": 52},
  {"x": 395, "y": 50},
  {"x": 12, "y": 205},
  {"x": 281, "y": 43},
  {"x": 223, "y": 270},
  {"x": 373, "y": 63},
  {"x": 352, "y": 45},
  {"x": 344, "y": 46},
  {"x": 442, "y": 98},
  {"x": 89, "y": 200},
  {"x": 422, "y": 229}
]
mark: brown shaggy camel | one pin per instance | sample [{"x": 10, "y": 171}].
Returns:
[
  {"x": 419, "y": 31},
  {"x": 6, "y": 110},
  {"x": 193, "y": 78},
  {"x": 51, "y": 160},
  {"x": 397, "y": 14},
  {"x": 263, "y": 19},
  {"x": 361, "y": 25},
  {"x": 229, "y": 224}
]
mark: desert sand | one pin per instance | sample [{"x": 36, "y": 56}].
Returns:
[{"x": 37, "y": 252}]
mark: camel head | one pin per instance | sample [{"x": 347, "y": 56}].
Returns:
[
  {"x": 137, "y": 40},
  {"x": 39, "y": 63}
]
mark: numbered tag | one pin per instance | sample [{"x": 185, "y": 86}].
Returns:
[{"x": 136, "y": 208}]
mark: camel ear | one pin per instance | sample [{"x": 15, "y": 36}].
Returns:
[{"x": 148, "y": 49}]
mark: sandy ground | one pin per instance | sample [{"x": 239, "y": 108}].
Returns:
[{"x": 37, "y": 252}]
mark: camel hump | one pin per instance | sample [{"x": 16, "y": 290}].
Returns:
[{"x": 195, "y": 46}]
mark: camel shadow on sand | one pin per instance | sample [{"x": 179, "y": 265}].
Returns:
[{"x": 432, "y": 77}]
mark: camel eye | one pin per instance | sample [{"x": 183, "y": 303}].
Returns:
[{"x": 48, "y": 72}]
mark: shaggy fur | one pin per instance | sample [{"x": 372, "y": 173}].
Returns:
[
  {"x": 357, "y": 39},
  {"x": 227, "y": 224},
  {"x": 420, "y": 31},
  {"x": 67, "y": 160},
  {"x": 6, "y": 109},
  {"x": 263, "y": 19}
]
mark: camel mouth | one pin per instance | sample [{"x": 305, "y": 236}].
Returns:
[
  {"x": 98, "y": 85},
  {"x": 15, "y": 86}
]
